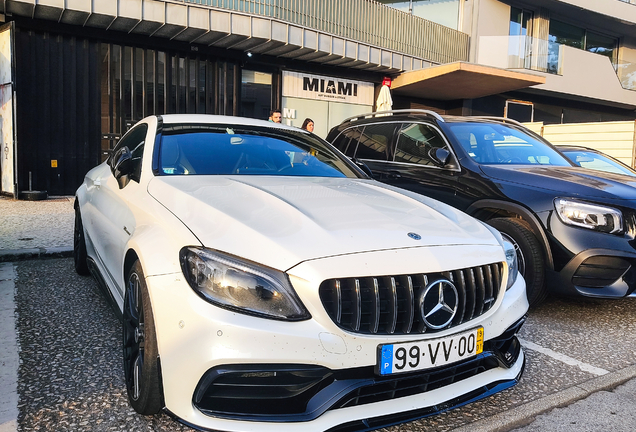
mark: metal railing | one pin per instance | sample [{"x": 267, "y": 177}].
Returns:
[{"x": 364, "y": 21}]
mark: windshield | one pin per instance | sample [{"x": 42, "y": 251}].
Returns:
[
  {"x": 592, "y": 160},
  {"x": 489, "y": 143},
  {"x": 189, "y": 149}
]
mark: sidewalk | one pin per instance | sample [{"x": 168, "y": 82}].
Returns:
[{"x": 30, "y": 229}]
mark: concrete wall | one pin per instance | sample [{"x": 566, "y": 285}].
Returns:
[
  {"x": 589, "y": 75},
  {"x": 489, "y": 18},
  {"x": 613, "y": 8}
]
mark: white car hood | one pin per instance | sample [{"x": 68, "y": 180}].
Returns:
[{"x": 282, "y": 221}]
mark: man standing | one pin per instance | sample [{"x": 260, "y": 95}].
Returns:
[{"x": 275, "y": 116}]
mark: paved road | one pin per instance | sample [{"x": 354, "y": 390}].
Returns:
[{"x": 70, "y": 375}]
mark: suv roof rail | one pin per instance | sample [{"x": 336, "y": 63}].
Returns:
[
  {"x": 503, "y": 119},
  {"x": 400, "y": 111}
]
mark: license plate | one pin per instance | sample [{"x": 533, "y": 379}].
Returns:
[{"x": 414, "y": 356}]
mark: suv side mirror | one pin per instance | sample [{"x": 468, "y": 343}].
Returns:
[
  {"x": 122, "y": 166},
  {"x": 440, "y": 156}
]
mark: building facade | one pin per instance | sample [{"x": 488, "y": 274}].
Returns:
[{"x": 76, "y": 74}]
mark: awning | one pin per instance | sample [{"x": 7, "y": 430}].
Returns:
[{"x": 461, "y": 80}]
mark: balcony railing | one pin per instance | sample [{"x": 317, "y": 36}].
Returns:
[
  {"x": 521, "y": 52},
  {"x": 364, "y": 21},
  {"x": 547, "y": 56}
]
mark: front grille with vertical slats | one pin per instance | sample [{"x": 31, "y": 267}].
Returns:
[{"x": 390, "y": 304}]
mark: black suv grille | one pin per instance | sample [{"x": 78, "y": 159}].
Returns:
[{"x": 391, "y": 304}]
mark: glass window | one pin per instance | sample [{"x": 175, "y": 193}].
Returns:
[
  {"x": 229, "y": 108},
  {"x": 498, "y": 144},
  {"x": 373, "y": 141},
  {"x": 256, "y": 94},
  {"x": 342, "y": 141},
  {"x": 415, "y": 144},
  {"x": 127, "y": 105},
  {"x": 172, "y": 85},
  {"x": 567, "y": 34},
  {"x": 240, "y": 150},
  {"x": 444, "y": 12},
  {"x": 596, "y": 161},
  {"x": 201, "y": 86},
  {"x": 117, "y": 93},
  {"x": 161, "y": 83},
  {"x": 183, "y": 87},
  {"x": 600, "y": 44},
  {"x": 106, "y": 113},
  {"x": 134, "y": 140},
  {"x": 192, "y": 86},
  {"x": 138, "y": 112},
  {"x": 150, "y": 82},
  {"x": 519, "y": 48}
]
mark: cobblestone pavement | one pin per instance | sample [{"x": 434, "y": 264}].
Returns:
[
  {"x": 70, "y": 377},
  {"x": 36, "y": 224}
]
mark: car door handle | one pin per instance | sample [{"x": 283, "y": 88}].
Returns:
[{"x": 393, "y": 174}]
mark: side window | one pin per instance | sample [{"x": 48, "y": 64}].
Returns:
[
  {"x": 134, "y": 140},
  {"x": 342, "y": 142},
  {"x": 415, "y": 144},
  {"x": 373, "y": 141}
]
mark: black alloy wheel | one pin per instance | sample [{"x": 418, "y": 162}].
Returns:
[
  {"x": 530, "y": 257},
  {"x": 79, "y": 244},
  {"x": 141, "y": 359}
]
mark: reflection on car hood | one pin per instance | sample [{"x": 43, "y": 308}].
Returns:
[
  {"x": 282, "y": 221},
  {"x": 570, "y": 181}
]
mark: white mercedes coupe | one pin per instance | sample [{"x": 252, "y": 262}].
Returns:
[{"x": 266, "y": 283}]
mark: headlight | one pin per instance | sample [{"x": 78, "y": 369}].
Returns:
[
  {"x": 242, "y": 286},
  {"x": 511, "y": 260},
  {"x": 591, "y": 216}
]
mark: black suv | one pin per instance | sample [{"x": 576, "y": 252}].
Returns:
[{"x": 574, "y": 229}]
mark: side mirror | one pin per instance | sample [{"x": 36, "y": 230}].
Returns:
[
  {"x": 362, "y": 166},
  {"x": 122, "y": 166},
  {"x": 440, "y": 156}
]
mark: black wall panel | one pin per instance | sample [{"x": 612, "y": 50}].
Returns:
[{"x": 57, "y": 116}]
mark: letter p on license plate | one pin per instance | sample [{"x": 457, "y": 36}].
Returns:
[{"x": 418, "y": 355}]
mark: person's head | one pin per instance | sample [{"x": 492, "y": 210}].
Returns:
[
  {"x": 275, "y": 116},
  {"x": 308, "y": 125}
]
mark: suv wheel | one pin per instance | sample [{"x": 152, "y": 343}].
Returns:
[{"x": 529, "y": 256}]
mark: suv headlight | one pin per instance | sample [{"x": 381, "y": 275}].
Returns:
[
  {"x": 242, "y": 286},
  {"x": 590, "y": 216},
  {"x": 511, "y": 260}
]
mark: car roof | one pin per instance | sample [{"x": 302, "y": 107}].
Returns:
[
  {"x": 576, "y": 147},
  {"x": 419, "y": 114}
]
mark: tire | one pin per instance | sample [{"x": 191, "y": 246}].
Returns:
[
  {"x": 79, "y": 245},
  {"x": 530, "y": 256},
  {"x": 33, "y": 195},
  {"x": 139, "y": 341}
]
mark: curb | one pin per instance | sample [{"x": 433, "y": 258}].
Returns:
[
  {"x": 526, "y": 413},
  {"x": 8, "y": 255}
]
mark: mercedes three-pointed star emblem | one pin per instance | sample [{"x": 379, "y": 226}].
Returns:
[{"x": 438, "y": 304}]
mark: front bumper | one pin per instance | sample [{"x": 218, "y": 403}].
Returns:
[
  {"x": 204, "y": 348},
  {"x": 602, "y": 273},
  {"x": 294, "y": 393},
  {"x": 591, "y": 264}
]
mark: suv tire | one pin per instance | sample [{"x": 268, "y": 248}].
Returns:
[{"x": 529, "y": 256}]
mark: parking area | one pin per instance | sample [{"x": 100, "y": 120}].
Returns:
[{"x": 70, "y": 375}]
